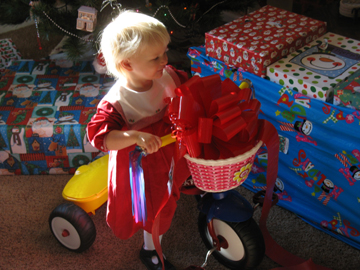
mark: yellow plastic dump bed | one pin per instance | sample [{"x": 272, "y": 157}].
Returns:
[{"x": 88, "y": 187}]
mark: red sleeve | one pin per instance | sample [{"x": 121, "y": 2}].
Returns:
[{"x": 106, "y": 119}]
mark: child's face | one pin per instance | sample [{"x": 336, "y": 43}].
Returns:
[{"x": 149, "y": 63}]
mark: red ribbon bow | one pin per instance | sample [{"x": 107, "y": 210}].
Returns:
[{"x": 214, "y": 119}]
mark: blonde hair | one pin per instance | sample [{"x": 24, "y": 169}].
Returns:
[{"x": 126, "y": 35}]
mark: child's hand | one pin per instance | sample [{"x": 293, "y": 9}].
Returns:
[{"x": 149, "y": 142}]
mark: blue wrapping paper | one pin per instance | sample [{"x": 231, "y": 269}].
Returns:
[{"x": 45, "y": 106}]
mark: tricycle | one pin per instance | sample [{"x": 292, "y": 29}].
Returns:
[{"x": 225, "y": 221}]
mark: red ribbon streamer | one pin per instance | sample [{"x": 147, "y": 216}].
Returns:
[{"x": 289, "y": 261}]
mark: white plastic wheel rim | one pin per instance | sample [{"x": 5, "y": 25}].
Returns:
[
  {"x": 72, "y": 241},
  {"x": 235, "y": 250}
]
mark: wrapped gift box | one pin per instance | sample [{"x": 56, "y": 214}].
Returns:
[
  {"x": 254, "y": 41},
  {"x": 8, "y": 52},
  {"x": 318, "y": 67},
  {"x": 319, "y": 155},
  {"x": 347, "y": 93},
  {"x": 45, "y": 106}
]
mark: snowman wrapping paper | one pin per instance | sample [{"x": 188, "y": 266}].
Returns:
[
  {"x": 44, "y": 109},
  {"x": 318, "y": 67},
  {"x": 254, "y": 41}
]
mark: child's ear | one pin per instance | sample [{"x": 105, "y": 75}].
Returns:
[{"x": 125, "y": 64}]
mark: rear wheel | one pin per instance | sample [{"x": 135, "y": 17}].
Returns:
[
  {"x": 246, "y": 247},
  {"x": 72, "y": 227}
]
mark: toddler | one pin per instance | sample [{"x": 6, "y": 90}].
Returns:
[{"x": 132, "y": 113}]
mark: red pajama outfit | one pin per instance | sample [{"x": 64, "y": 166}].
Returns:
[{"x": 110, "y": 115}]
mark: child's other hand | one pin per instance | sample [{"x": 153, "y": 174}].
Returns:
[{"x": 149, "y": 142}]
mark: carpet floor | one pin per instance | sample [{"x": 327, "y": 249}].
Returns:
[{"x": 27, "y": 242}]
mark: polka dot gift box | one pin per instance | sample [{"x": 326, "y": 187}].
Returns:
[
  {"x": 318, "y": 67},
  {"x": 256, "y": 40}
]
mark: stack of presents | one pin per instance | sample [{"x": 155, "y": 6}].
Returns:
[
  {"x": 308, "y": 83},
  {"x": 306, "y": 79}
]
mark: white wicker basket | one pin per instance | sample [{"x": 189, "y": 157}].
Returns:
[{"x": 347, "y": 6}]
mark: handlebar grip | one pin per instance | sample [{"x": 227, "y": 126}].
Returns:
[{"x": 167, "y": 139}]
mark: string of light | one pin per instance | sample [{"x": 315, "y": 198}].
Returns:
[
  {"x": 172, "y": 16},
  {"x": 158, "y": 9},
  {"x": 67, "y": 32}
]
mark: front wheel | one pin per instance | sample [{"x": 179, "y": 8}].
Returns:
[
  {"x": 72, "y": 227},
  {"x": 246, "y": 247}
]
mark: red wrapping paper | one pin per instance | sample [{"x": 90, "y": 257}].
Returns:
[
  {"x": 256, "y": 40},
  {"x": 213, "y": 119}
]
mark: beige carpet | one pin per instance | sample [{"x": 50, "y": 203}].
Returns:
[
  {"x": 27, "y": 201},
  {"x": 27, "y": 243}
]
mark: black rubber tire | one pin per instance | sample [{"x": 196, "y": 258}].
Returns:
[
  {"x": 246, "y": 242},
  {"x": 77, "y": 222}
]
